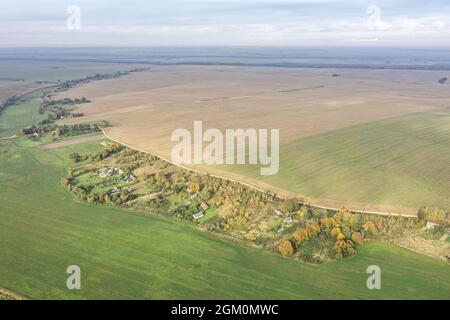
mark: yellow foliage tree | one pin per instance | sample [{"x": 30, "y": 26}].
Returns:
[
  {"x": 334, "y": 232},
  {"x": 300, "y": 236},
  {"x": 370, "y": 228},
  {"x": 285, "y": 248},
  {"x": 195, "y": 187}
]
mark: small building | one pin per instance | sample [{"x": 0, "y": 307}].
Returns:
[
  {"x": 198, "y": 215},
  {"x": 204, "y": 206},
  {"x": 288, "y": 220},
  {"x": 128, "y": 179},
  {"x": 432, "y": 225},
  {"x": 115, "y": 190},
  {"x": 278, "y": 213}
]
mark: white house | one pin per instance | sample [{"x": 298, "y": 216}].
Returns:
[
  {"x": 432, "y": 225},
  {"x": 198, "y": 215},
  {"x": 278, "y": 213},
  {"x": 288, "y": 220}
]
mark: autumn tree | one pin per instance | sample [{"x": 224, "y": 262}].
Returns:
[
  {"x": 285, "y": 248},
  {"x": 357, "y": 237},
  {"x": 300, "y": 237},
  {"x": 370, "y": 228},
  {"x": 344, "y": 248},
  {"x": 327, "y": 224},
  {"x": 195, "y": 187}
]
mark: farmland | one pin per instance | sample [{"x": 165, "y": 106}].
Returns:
[
  {"x": 124, "y": 254},
  {"x": 13, "y": 119},
  {"x": 339, "y": 135},
  {"x": 18, "y": 77},
  {"x": 398, "y": 162}
]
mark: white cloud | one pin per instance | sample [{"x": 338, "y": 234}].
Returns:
[{"x": 300, "y": 23}]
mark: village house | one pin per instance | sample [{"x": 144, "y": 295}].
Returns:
[
  {"x": 106, "y": 172},
  {"x": 432, "y": 225},
  {"x": 115, "y": 190},
  {"x": 288, "y": 220},
  {"x": 128, "y": 179},
  {"x": 198, "y": 215},
  {"x": 278, "y": 213}
]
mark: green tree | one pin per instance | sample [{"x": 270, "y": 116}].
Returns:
[{"x": 422, "y": 214}]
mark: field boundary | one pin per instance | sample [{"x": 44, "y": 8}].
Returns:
[
  {"x": 12, "y": 294},
  {"x": 314, "y": 205},
  {"x": 71, "y": 142}
]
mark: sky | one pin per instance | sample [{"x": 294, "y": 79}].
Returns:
[{"x": 308, "y": 23}]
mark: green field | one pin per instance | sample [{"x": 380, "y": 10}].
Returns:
[
  {"x": 124, "y": 254},
  {"x": 31, "y": 71},
  {"x": 402, "y": 161},
  {"x": 27, "y": 113},
  {"x": 22, "y": 115}
]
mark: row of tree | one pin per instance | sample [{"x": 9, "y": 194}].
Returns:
[{"x": 435, "y": 215}]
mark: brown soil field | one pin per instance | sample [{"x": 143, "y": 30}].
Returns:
[
  {"x": 12, "y": 88},
  {"x": 144, "y": 108}
]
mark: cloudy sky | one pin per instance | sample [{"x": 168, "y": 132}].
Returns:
[{"x": 384, "y": 23}]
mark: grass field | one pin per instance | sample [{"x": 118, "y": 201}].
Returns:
[
  {"x": 31, "y": 71},
  {"x": 31, "y": 74},
  {"x": 123, "y": 254},
  {"x": 402, "y": 161},
  {"x": 19, "y": 116}
]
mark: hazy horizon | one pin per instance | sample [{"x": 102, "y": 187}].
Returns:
[{"x": 200, "y": 23}]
